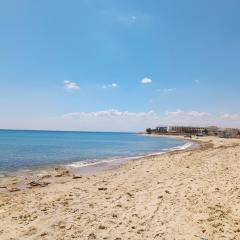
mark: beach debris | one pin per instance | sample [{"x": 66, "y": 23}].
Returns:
[
  {"x": 129, "y": 194},
  {"x": 102, "y": 188},
  {"x": 76, "y": 176},
  {"x": 43, "y": 234},
  {"x": 38, "y": 184},
  {"x": 62, "y": 226},
  {"x": 92, "y": 236},
  {"x": 157, "y": 235},
  {"x": 44, "y": 209},
  {"x": 61, "y": 172},
  {"x": 166, "y": 191},
  {"x": 140, "y": 231},
  {"x": 13, "y": 189},
  {"x": 102, "y": 227},
  {"x": 91, "y": 205}
]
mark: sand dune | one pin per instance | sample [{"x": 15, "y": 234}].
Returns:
[{"x": 183, "y": 195}]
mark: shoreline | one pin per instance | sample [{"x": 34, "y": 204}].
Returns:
[
  {"x": 190, "y": 194},
  {"x": 93, "y": 166},
  {"x": 24, "y": 179},
  {"x": 113, "y": 163}
]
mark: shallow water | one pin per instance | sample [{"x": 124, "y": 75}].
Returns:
[{"x": 32, "y": 149}]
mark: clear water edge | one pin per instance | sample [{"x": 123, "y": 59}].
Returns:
[{"x": 127, "y": 150}]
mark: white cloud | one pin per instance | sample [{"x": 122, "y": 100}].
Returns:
[
  {"x": 71, "y": 85},
  {"x": 111, "y": 120},
  {"x": 115, "y": 120},
  {"x": 146, "y": 80},
  {"x": 110, "y": 113},
  {"x": 190, "y": 114},
  {"x": 231, "y": 117},
  {"x": 197, "y": 118},
  {"x": 112, "y": 85},
  {"x": 190, "y": 118}
]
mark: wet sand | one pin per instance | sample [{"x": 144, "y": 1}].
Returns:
[{"x": 190, "y": 194}]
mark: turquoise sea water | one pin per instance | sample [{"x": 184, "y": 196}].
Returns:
[{"x": 32, "y": 149}]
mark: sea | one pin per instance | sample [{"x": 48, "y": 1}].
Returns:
[{"x": 31, "y": 149}]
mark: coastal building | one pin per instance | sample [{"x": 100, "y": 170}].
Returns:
[
  {"x": 186, "y": 130},
  {"x": 161, "y": 129},
  {"x": 230, "y": 133},
  {"x": 177, "y": 130},
  {"x": 198, "y": 131},
  {"x": 223, "y": 132},
  {"x": 213, "y": 131}
]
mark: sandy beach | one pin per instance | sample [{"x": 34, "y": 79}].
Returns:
[{"x": 182, "y": 195}]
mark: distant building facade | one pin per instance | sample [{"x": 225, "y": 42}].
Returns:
[
  {"x": 161, "y": 129},
  {"x": 230, "y": 133},
  {"x": 199, "y": 131},
  {"x": 186, "y": 130},
  {"x": 177, "y": 130}
]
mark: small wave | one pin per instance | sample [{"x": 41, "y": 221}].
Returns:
[
  {"x": 120, "y": 160},
  {"x": 94, "y": 162},
  {"x": 183, "y": 147}
]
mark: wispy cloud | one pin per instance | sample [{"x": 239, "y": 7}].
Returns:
[
  {"x": 186, "y": 114},
  {"x": 167, "y": 90},
  {"x": 127, "y": 19},
  {"x": 111, "y": 120},
  {"x": 110, "y": 113},
  {"x": 112, "y": 85},
  {"x": 115, "y": 120},
  {"x": 71, "y": 85},
  {"x": 231, "y": 117},
  {"x": 146, "y": 80},
  {"x": 191, "y": 118},
  {"x": 198, "y": 118}
]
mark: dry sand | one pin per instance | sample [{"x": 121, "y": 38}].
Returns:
[{"x": 190, "y": 195}]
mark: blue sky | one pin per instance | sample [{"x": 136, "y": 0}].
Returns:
[{"x": 79, "y": 65}]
